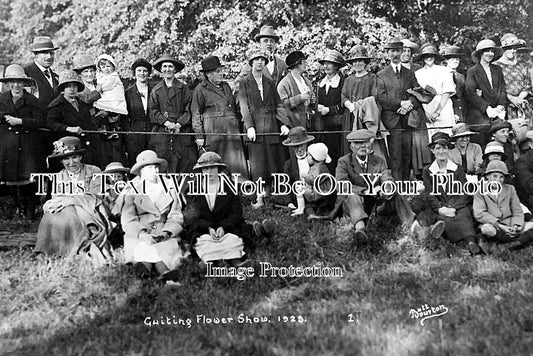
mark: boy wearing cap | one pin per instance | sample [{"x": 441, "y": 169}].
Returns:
[{"x": 500, "y": 215}]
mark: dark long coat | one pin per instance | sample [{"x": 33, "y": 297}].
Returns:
[
  {"x": 227, "y": 213},
  {"x": 214, "y": 111},
  {"x": 172, "y": 104},
  {"x": 524, "y": 178},
  {"x": 21, "y": 152},
  {"x": 138, "y": 120},
  {"x": 480, "y": 95},
  {"x": 61, "y": 114}
]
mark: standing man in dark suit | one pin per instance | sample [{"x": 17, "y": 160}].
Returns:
[
  {"x": 393, "y": 82},
  {"x": 137, "y": 104},
  {"x": 40, "y": 70},
  {"x": 276, "y": 68}
]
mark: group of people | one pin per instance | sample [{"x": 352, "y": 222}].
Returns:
[{"x": 417, "y": 117}]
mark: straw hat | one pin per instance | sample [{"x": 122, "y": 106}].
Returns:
[
  {"x": 256, "y": 53},
  {"x": 116, "y": 167},
  {"x": 146, "y": 158},
  {"x": 494, "y": 147},
  {"x": 82, "y": 62},
  {"x": 69, "y": 76},
  {"x": 461, "y": 130},
  {"x": 333, "y": 57},
  {"x": 209, "y": 159},
  {"x": 410, "y": 44},
  {"x": 496, "y": 167},
  {"x": 67, "y": 146},
  {"x": 395, "y": 43},
  {"x": 358, "y": 52},
  {"x": 14, "y": 72},
  {"x": 484, "y": 45},
  {"x": 427, "y": 50}
]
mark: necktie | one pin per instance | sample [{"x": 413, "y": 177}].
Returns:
[
  {"x": 47, "y": 73},
  {"x": 75, "y": 104},
  {"x": 397, "y": 70}
]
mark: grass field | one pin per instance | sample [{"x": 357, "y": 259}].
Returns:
[{"x": 70, "y": 307}]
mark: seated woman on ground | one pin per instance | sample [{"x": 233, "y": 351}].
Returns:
[
  {"x": 501, "y": 215},
  {"x": 215, "y": 225},
  {"x": 75, "y": 219},
  {"x": 152, "y": 220}
]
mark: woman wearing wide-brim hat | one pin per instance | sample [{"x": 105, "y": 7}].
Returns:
[
  {"x": 453, "y": 209},
  {"x": 69, "y": 115},
  {"x": 169, "y": 106},
  {"x": 358, "y": 96},
  {"x": 485, "y": 94},
  {"x": 466, "y": 153},
  {"x": 215, "y": 224},
  {"x": 439, "y": 112},
  {"x": 21, "y": 144},
  {"x": 152, "y": 219},
  {"x": 75, "y": 219},
  {"x": 84, "y": 65},
  {"x": 262, "y": 112},
  {"x": 517, "y": 79},
  {"x": 214, "y": 112},
  {"x": 296, "y": 91},
  {"x": 330, "y": 109}
]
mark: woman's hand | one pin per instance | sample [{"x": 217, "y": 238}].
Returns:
[
  {"x": 448, "y": 212},
  {"x": 284, "y": 130},
  {"x": 75, "y": 130},
  {"x": 251, "y": 134},
  {"x": 146, "y": 237},
  {"x": 53, "y": 206},
  {"x": 324, "y": 110},
  {"x": 213, "y": 233},
  {"x": 13, "y": 121},
  {"x": 220, "y": 232},
  {"x": 349, "y": 105}
]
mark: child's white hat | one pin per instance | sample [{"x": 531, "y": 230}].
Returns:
[
  {"x": 319, "y": 152},
  {"x": 106, "y": 57}
]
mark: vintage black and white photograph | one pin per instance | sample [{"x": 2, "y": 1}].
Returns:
[{"x": 268, "y": 177}]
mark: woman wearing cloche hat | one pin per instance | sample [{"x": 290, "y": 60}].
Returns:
[
  {"x": 21, "y": 144},
  {"x": 152, "y": 219},
  {"x": 215, "y": 225},
  {"x": 214, "y": 112},
  {"x": 485, "y": 94},
  {"x": 75, "y": 219}
]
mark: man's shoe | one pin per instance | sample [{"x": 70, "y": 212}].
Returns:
[
  {"x": 360, "y": 235},
  {"x": 474, "y": 248}
]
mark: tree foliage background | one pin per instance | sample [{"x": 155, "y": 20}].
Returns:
[{"x": 193, "y": 29}]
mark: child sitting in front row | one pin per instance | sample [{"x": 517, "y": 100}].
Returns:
[
  {"x": 318, "y": 204},
  {"x": 500, "y": 215},
  {"x": 112, "y": 104}
]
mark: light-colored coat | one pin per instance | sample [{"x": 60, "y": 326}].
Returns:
[
  {"x": 504, "y": 208},
  {"x": 291, "y": 99},
  {"x": 474, "y": 157}
]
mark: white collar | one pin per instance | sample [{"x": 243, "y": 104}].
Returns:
[
  {"x": 450, "y": 166},
  {"x": 333, "y": 82},
  {"x": 43, "y": 69}
]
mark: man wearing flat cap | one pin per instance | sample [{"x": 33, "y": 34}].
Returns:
[
  {"x": 364, "y": 197},
  {"x": 40, "y": 70},
  {"x": 276, "y": 68},
  {"x": 393, "y": 82}
]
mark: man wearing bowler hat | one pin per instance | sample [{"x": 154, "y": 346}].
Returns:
[
  {"x": 276, "y": 68},
  {"x": 393, "y": 82},
  {"x": 364, "y": 197},
  {"x": 40, "y": 70}
]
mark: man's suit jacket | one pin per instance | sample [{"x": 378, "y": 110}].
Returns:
[
  {"x": 349, "y": 169},
  {"x": 476, "y": 79},
  {"x": 392, "y": 90},
  {"x": 45, "y": 92}
]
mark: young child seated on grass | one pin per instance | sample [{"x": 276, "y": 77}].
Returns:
[
  {"x": 500, "y": 215},
  {"x": 312, "y": 201},
  {"x": 112, "y": 104}
]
